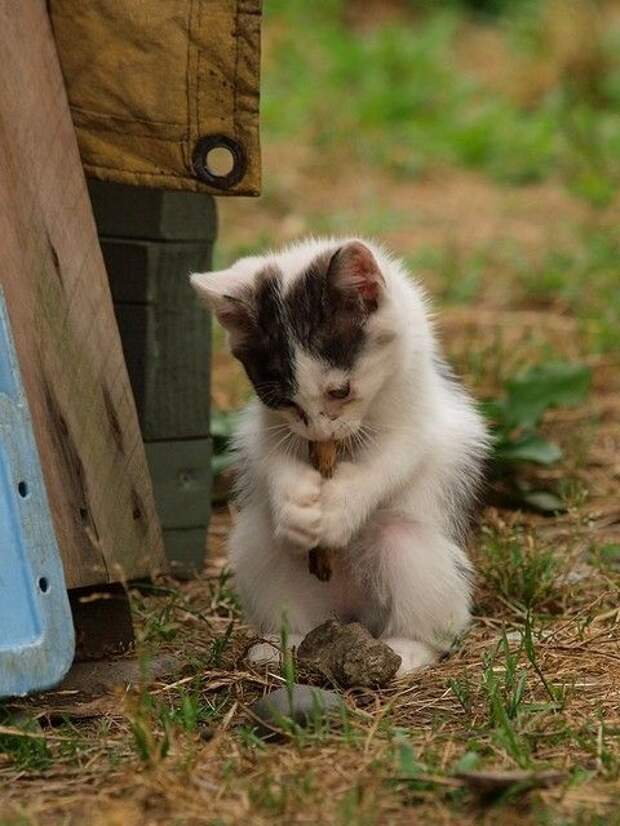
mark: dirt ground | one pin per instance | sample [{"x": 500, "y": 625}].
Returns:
[
  {"x": 535, "y": 684},
  {"x": 101, "y": 759}
]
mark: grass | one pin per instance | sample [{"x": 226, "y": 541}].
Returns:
[
  {"x": 511, "y": 697},
  {"x": 524, "y": 575},
  {"x": 405, "y": 103},
  {"x": 481, "y": 145}
]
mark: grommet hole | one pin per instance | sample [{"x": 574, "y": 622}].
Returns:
[
  {"x": 43, "y": 584},
  {"x": 220, "y": 161},
  {"x": 22, "y": 489}
]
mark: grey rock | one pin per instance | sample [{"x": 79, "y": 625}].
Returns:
[
  {"x": 304, "y": 705},
  {"x": 348, "y": 655},
  {"x": 96, "y": 678}
]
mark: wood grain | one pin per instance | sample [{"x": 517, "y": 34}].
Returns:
[{"x": 60, "y": 308}]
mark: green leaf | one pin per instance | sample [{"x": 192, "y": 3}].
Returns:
[
  {"x": 553, "y": 384},
  {"x": 543, "y": 501},
  {"x": 222, "y": 424},
  {"x": 468, "y": 762},
  {"x": 492, "y": 408},
  {"x": 528, "y": 448},
  {"x": 408, "y": 764},
  {"x": 610, "y": 555}
]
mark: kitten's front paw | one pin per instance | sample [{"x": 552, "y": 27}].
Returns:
[
  {"x": 337, "y": 499},
  {"x": 269, "y": 652},
  {"x": 264, "y": 653},
  {"x": 298, "y": 515}
]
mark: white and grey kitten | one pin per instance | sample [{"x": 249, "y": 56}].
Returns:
[{"x": 336, "y": 338}]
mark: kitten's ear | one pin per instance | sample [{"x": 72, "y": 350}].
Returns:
[
  {"x": 226, "y": 293},
  {"x": 354, "y": 267}
]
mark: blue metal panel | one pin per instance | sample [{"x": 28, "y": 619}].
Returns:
[{"x": 36, "y": 629}]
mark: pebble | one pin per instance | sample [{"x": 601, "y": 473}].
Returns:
[
  {"x": 348, "y": 655},
  {"x": 304, "y": 705}
]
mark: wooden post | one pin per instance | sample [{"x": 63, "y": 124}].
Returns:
[
  {"x": 59, "y": 303},
  {"x": 151, "y": 241}
]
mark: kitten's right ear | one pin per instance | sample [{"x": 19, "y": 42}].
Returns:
[
  {"x": 353, "y": 268},
  {"x": 226, "y": 294}
]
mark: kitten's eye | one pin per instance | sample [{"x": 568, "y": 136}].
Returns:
[{"x": 340, "y": 392}]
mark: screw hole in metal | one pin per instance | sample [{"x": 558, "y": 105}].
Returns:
[
  {"x": 43, "y": 584},
  {"x": 219, "y": 161},
  {"x": 22, "y": 489}
]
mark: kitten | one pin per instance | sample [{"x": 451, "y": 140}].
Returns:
[{"x": 336, "y": 338}]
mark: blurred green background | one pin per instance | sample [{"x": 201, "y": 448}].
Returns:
[{"x": 480, "y": 139}]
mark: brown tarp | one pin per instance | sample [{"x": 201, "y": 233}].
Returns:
[{"x": 155, "y": 84}]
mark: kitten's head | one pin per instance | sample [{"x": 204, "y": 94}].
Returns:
[{"x": 314, "y": 330}]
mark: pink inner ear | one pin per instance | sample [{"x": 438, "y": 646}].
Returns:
[
  {"x": 231, "y": 312},
  {"x": 359, "y": 269}
]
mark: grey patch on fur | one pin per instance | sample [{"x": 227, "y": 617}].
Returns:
[
  {"x": 327, "y": 320},
  {"x": 462, "y": 496},
  {"x": 445, "y": 370},
  {"x": 465, "y": 571},
  {"x": 265, "y": 347}
]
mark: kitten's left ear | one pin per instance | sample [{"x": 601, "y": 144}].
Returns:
[
  {"x": 224, "y": 293},
  {"x": 354, "y": 267}
]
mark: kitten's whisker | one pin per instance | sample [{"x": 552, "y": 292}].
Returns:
[{"x": 274, "y": 448}]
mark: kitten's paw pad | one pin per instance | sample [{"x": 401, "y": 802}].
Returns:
[
  {"x": 264, "y": 653},
  {"x": 298, "y": 527},
  {"x": 306, "y": 493},
  {"x": 298, "y": 516},
  {"x": 335, "y": 533},
  {"x": 337, "y": 499},
  {"x": 413, "y": 654}
]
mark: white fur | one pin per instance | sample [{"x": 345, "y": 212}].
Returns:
[{"x": 395, "y": 512}]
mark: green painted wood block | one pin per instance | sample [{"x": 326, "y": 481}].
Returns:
[
  {"x": 166, "y": 335},
  {"x": 181, "y": 544},
  {"x": 131, "y": 212},
  {"x": 151, "y": 241},
  {"x": 181, "y": 473}
]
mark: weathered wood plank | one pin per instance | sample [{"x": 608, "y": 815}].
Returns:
[{"x": 61, "y": 312}]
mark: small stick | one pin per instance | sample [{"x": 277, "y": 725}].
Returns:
[{"x": 323, "y": 457}]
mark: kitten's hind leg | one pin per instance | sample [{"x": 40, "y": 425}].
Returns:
[
  {"x": 274, "y": 585},
  {"x": 422, "y": 583}
]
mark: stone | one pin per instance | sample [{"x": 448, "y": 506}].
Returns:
[
  {"x": 103, "y": 676},
  {"x": 304, "y": 705},
  {"x": 348, "y": 655}
]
